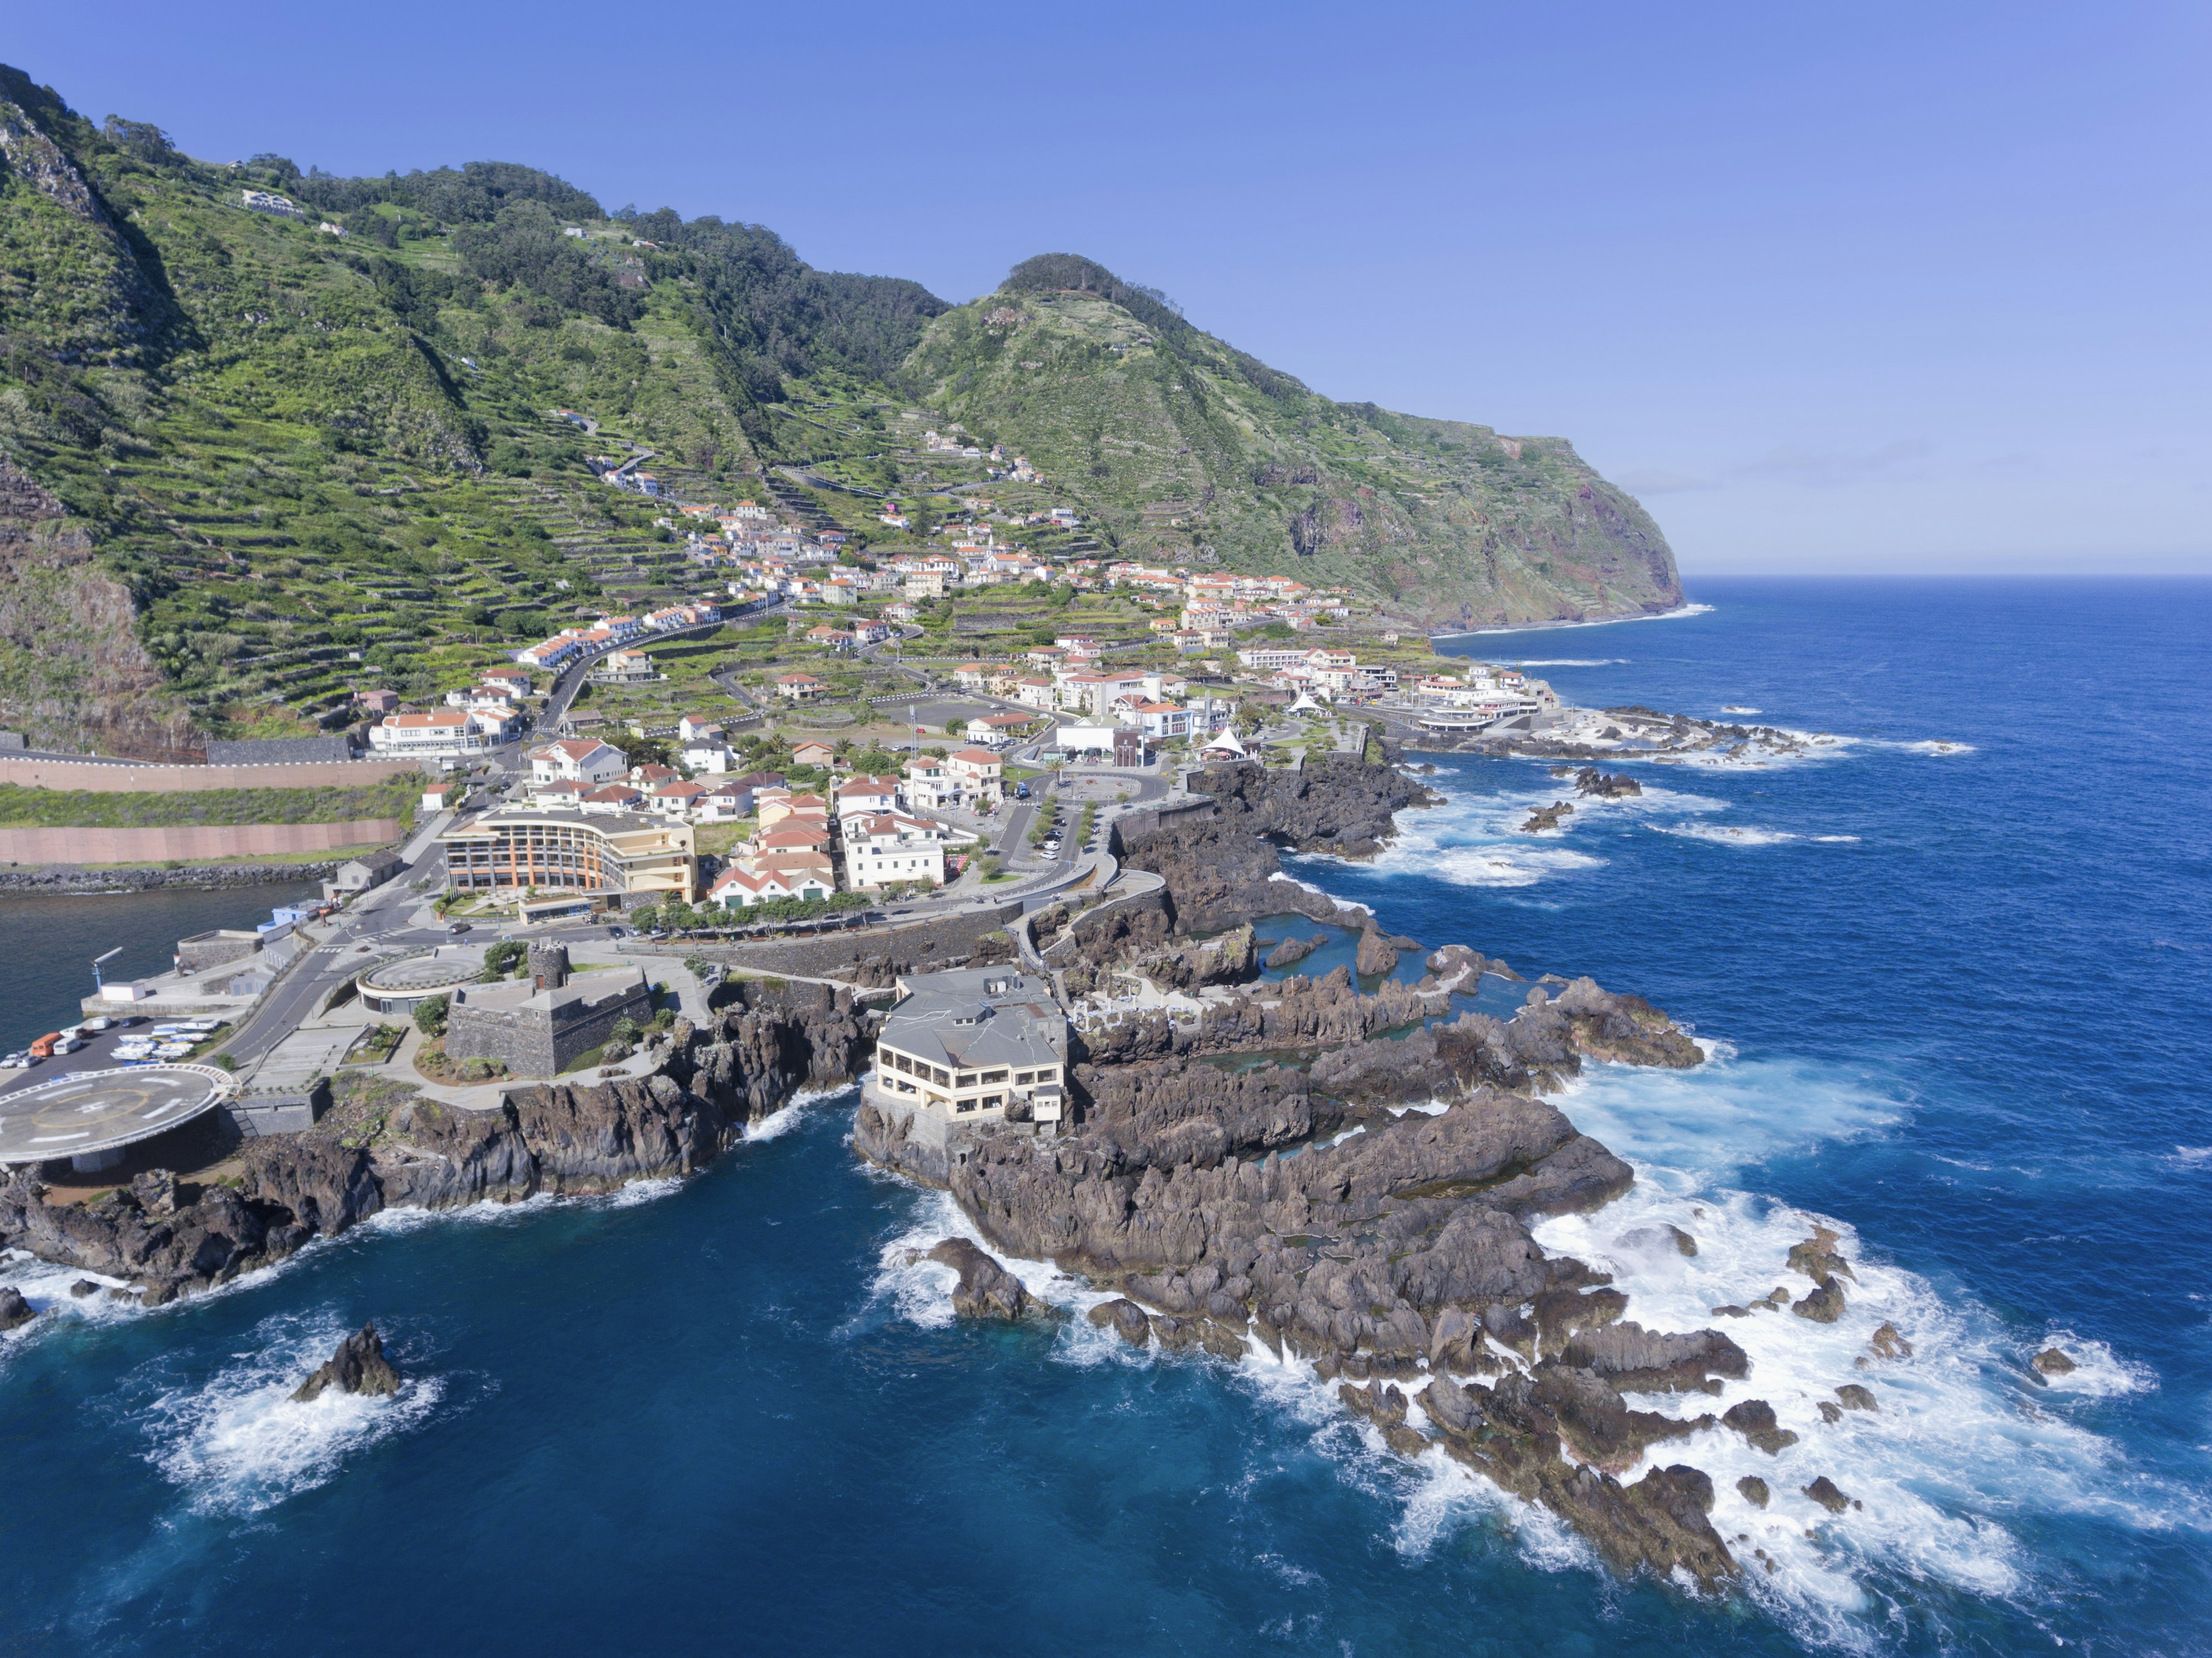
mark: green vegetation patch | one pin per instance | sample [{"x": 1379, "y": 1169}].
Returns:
[{"x": 33, "y": 808}]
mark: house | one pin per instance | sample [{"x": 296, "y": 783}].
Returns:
[
  {"x": 577, "y": 760},
  {"x": 742, "y": 889},
  {"x": 653, "y": 776},
  {"x": 442, "y": 734},
  {"x": 709, "y": 754},
  {"x": 376, "y": 702},
  {"x": 800, "y": 688},
  {"x": 929, "y": 786},
  {"x": 1034, "y": 693},
  {"x": 370, "y": 870},
  {"x": 621, "y": 798},
  {"x": 625, "y": 668},
  {"x": 819, "y": 755},
  {"x": 693, "y": 726},
  {"x": 792, "y": 834},
  {"x": 513, "y": 678},
  {"x": 772, "y": 806},
  {"x": 881, "y": 847},
  {"x": 866, "y": 794},
  {"x": 835, "y": 638},
  {"x": 1160, "y": 722},
  {"x": 554, "y": 653},
  {"x": 973, "y": 1046},
  {"x": 678, "y": 800},
  {"x": 977, "y": 773},
  {"x": 725, "y": 803}
]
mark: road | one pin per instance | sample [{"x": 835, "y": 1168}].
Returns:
[{"x": 378, "y": 919}]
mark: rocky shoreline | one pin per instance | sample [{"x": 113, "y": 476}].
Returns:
[
  {"x": 1345, "y": 1178},
  {"x": 1596, "y": 735},
  {"x": 385, "y": 1147},
  {"x": 73, "y": 878},
  {"x": 1355, "y": 1191}
]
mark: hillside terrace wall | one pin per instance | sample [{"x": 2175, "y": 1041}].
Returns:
[
  {"x": 173, "y": 842},
  {"x": 100, "y": 777}
]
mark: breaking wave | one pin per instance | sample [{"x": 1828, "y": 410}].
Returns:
[{"x": 238, "y": 1444}]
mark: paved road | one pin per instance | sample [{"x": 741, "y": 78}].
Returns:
[{"x": 378, "y": 917}]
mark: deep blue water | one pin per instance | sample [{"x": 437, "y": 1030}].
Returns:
[
  {"x": 45, "y": 972},
  {"x": 1973, "y": 1033}
]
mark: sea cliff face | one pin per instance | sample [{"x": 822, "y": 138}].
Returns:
[{"x": 386, "y": 1148}]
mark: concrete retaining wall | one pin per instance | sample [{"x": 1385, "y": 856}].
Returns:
[
  {"x": 182, "y": 841},
  {"x": 103, "y": 778},
  {"x": 869, "y": 956}
]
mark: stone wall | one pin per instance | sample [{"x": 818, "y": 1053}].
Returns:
[
  {"x": 278, "y": 751},
  {"x": 869, "y": 956},
  {"x": 525, "y": 1040},
  {"x": 175, "y": 842}
]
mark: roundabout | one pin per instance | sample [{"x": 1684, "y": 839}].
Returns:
[{"x": 90, "y": 1116}]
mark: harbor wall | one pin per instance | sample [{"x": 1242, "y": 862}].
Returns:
[{"x": 176, "y": 841}]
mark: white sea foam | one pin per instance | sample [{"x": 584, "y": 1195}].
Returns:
[
  {"x": 2098, "y": 1372},
  {"x": 1570, "y": 661},
  {"x": 1956, "y": 1450},
  {"x": 1679, "y": 611},
  {"x": 1738, "y": 708},
  {"x": 793, "y": 1111},
  {"x": 1833, "y": 840},
  {"x": 1937, "y": 747},
  {"x": 1729, "y": 1113},
  {"x": 237, "y": 1443},
  {"x": 1477, "y": 840},
  {"x": 1726, "y": 834},
  {"x": 46, "y": 1287}
]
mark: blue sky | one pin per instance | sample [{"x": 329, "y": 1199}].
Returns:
[{"x": 1878, "y": 288}]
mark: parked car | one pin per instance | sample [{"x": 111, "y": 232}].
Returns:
[{"x": 457, "y": 929}]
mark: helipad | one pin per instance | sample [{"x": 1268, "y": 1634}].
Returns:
[{"x": 92, "y": 1111}]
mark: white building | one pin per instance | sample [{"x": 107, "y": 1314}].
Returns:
[
  {"x": 578, "y": 760},
  {"x": 442, "y": 734},
  {"x": 881, "y": 847}
]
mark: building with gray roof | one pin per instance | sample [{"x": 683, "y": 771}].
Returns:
[{"x": 975, "y": 1046}]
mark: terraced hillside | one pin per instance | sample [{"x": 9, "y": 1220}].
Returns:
[
  {"x": 248, "y": 464},
  {"x": 251, "y": 462},
  {"x": 1184, "y": 448}
]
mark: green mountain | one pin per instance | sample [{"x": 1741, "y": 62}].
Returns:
[
  {"x": 248, "y": 464},
  {"x": 1186, "y": 449}
]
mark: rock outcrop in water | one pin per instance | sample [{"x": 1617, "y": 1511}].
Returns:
[
  {"x": 359, "y": 1366},
  {"x": 385, "y": 1149}
]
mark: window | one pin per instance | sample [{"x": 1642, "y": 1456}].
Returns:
[
  {"x": 994, "y": 1076},
  {"x": 991, "y": 1102},
  {"x": 967, "y": 1079},
  {"x": 1047, "y": 1074},
  {"x": 965, "y": 1105},
  {"x": 1024, "y": 1076}
]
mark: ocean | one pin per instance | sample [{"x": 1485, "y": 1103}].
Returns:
[{"x": 1955, "y": 975}]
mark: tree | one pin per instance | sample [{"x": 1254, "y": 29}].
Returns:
[
  {"x": 430, "y": 1015},
  {"x": 503, "y": 957}
]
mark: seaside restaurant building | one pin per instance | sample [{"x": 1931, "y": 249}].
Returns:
[
  {"x": 556, "y": 862},
  {"x": 969, "y": 1047}
]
